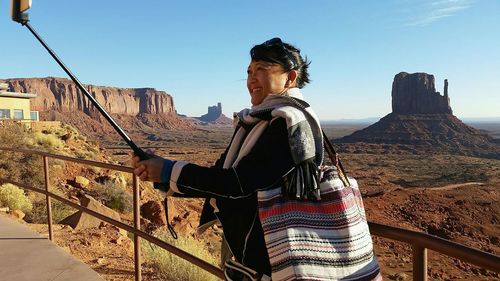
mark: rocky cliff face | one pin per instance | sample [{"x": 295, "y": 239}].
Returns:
[
  {"x": 62, "y": 95},
  {"x": 138, "y": 111},
  {"x": 416, "y": 94}
]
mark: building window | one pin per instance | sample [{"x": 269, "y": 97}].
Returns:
[
  {"x": 18, "y": 114},
  {"x": 4, "y": 113},
  {"x": 34, "y": 115}
]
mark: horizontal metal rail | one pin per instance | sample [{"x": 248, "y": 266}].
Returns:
[
  {"x": 72, "y": 159},
  {"x": 447, "y": 247},
  {"x": 420, "y": 241}
]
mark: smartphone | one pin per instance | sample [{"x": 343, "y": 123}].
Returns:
[{"x": 17, "y": 7}]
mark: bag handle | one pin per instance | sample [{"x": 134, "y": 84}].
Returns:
[{"x": 334, "y": 157}]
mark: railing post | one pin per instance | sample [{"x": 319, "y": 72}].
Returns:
[
  {"x": 47, "y": 198},
  {"x": 419, "y": 263},
  {"x": 137, "y": 225}
]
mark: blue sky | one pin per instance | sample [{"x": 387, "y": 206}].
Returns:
[{"x": 197, "y": 51}]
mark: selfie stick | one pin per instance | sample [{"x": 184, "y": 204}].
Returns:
[{"x": 21, "y": 17}]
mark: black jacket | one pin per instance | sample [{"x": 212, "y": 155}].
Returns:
[{"x": 235, "y": 190}]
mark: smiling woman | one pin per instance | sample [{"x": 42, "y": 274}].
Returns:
[
  {"x": 275, "y": 68},
  {"x": 266, "y": 78},
  {"x": 277, "y": 148}
]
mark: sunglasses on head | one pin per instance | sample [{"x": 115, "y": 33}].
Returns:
[
  {"x": 272, "y": 42},
  {"x": 276, "y": 42}
]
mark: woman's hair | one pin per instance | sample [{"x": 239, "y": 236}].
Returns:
[{"x": 286, "y": 55}]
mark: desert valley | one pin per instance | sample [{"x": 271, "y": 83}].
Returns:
[{"x": 419, "y": 167}]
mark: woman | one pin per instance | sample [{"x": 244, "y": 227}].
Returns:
[{"x": 276, "y": 144}]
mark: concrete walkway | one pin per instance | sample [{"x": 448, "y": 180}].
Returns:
[{"x": 27, "y": 256}]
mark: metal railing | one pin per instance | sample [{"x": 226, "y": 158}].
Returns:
[
  {"x": 419, "y": 241},
  {"x": 135, "y": 230}
]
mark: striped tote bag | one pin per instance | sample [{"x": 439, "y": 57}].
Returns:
[{"x": 327, "y": 239}]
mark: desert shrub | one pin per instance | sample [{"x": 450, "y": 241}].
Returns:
[
  {"x": 13, "y": 197},
  {"x": 114, "y": 196},
  {"x": 47, "y": 140},
  {"x": 119, "y": 179},
  {"x": 92, "y": 148},
  {"x": 84, "y": 154},
  {"x": 13, "y": 134},
  {"x": 23, "y": 168},
  {"x": 39, "y": 212},
  {"x": 171, "y": 267},
  {"x": 19, "y": 167},
  {"x": 94, "y": 169},
  {"x": 70, "y": 129},
  {"x": 31, "y": 167}
]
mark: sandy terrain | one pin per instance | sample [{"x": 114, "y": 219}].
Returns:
[{"x": 453, "y": 197}]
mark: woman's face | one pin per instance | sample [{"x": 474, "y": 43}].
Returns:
[{"x": 265, "y": 78}]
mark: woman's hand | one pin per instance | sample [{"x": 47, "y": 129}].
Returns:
[{"x": 150, "y": 169}]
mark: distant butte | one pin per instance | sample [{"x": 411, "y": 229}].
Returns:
[
  {"x": 423, "y": 119},
  {"x": 415, "y": 94},
  {"x": 214, "y": 115}
]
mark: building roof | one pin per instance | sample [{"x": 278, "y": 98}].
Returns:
[{"x": 17, "y": 95}]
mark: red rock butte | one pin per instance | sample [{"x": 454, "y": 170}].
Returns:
[{"x": 422, "y": 118}]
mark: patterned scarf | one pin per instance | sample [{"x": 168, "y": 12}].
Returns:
[{"x": 304, "y": 137}]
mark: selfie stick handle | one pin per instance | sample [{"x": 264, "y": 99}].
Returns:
[{"x": 139, "y": 152}]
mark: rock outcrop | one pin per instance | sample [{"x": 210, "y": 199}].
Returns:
[
  {"x": 416, "y": 94},
  {"x": 422, "y": 119},
  {"x": 62, "y": 95},
  {"x": 136, "y": 109},
  {"x": 214, "y": 115},
  {"x": 81, "y": 220},
  {"x": 153, "y": 212}
]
